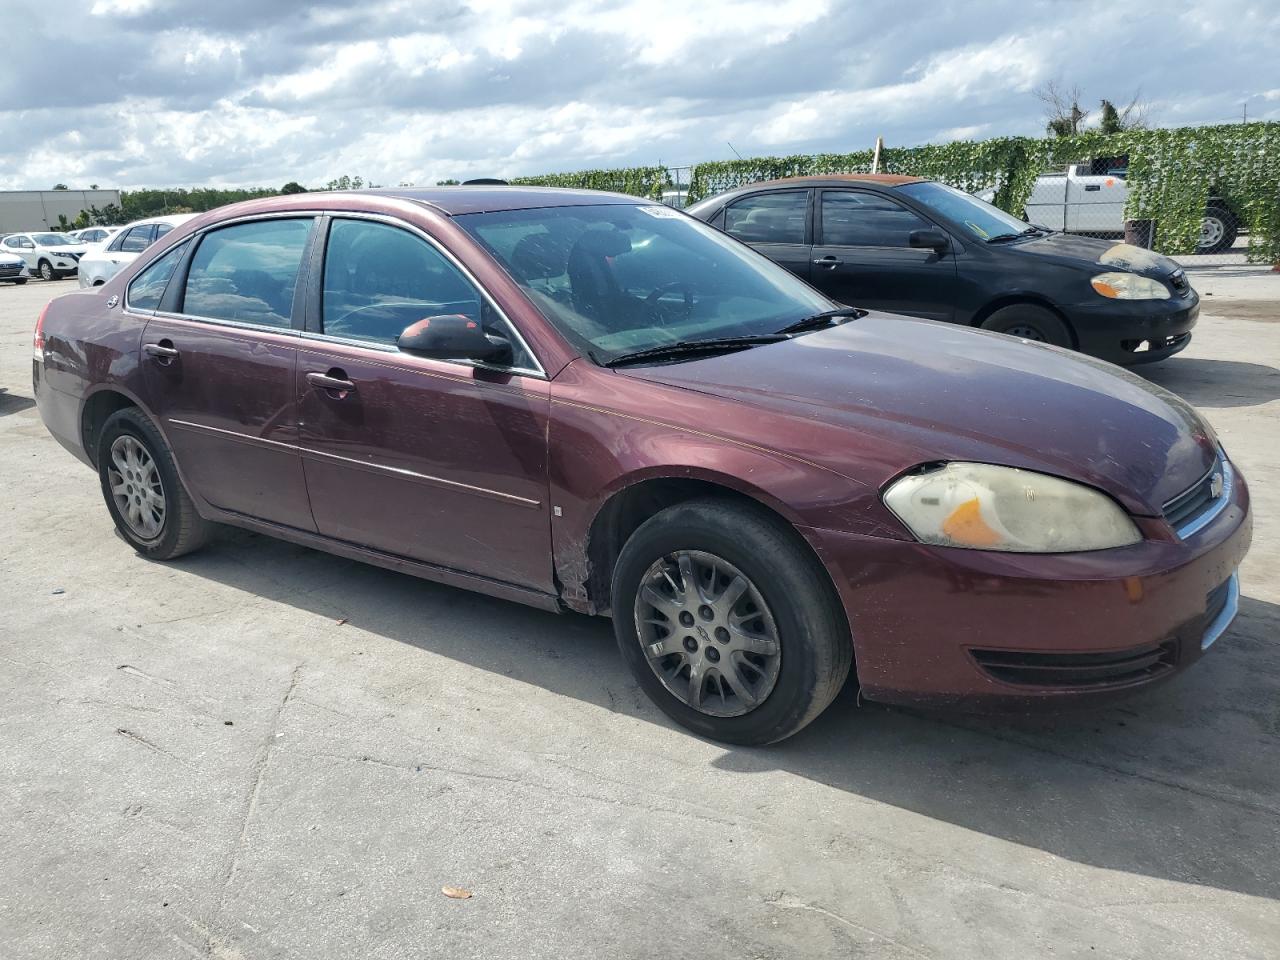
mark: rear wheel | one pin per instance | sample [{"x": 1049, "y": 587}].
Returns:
[
  {"x": 1030, "y": 322},
  {"x": 1217, "y": 230},
  {"x": 144, "y": 494},
  {"x": 46, "y": 270},
  {"x": 728, "y": 622}
]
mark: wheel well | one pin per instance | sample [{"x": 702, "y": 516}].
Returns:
[
  {"x": 96, "y": 411},
  {"x": 627, "y": 509},
  {"x": 98, "y": 283},
  {"x": 1012, "y": 300}
]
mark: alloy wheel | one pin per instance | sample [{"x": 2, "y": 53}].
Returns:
[
  {"x": 707, "y": 633},
  {"x": 136, "y": 487}
]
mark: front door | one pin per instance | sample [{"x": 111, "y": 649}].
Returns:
[
  {"x": 437, "y": 461},
  {"x": 861, "y": 256},
  {"x": 220, "y": 358}
]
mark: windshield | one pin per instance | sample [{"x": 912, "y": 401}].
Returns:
[
  {"x": 980, "y": 218},
  {"x": 620, "y": 278},
  {"x": 52, "y": 240}
]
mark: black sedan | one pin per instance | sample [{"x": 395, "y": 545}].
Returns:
[{"x": 918, "y": 247}]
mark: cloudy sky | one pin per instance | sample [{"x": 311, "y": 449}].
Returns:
[{"x": 135, "y": 93}]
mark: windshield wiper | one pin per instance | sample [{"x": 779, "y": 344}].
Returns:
[
  {"x": 823, "y": 319},
  {"x": 1004, "y": 237},
  {"x": 685, "y": 348}
]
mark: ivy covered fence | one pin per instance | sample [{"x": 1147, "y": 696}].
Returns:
[{"x": 1172, "y": 173}]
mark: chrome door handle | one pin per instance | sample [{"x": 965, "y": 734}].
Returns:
[
  {"x": 323, "y": 381},
  {"x": 828, "y": 262},
  {"x": 161, "y": 350}
]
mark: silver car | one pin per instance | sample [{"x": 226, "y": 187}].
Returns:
[{"x": 102, "y": 263}]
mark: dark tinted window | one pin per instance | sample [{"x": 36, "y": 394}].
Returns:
[
  {"x": 247, "y": 272},
  {"x": 162, "y": 229},
  {"x": 137, "y": 239},
  {"x": 146, "y": 289},
  {"x": 769, "y": 217},
  {"x": 379, "y": 279},
  {"x": 866, "y": 220}
]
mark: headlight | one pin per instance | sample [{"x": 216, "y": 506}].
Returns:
[
  {"x": 984, "y": 507},
  {"x": 1129, "y": 286}
]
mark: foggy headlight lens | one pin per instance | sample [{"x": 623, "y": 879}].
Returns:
[
  {"x": 980, "y": 506},
  {"x": 1129, "y": 286}
]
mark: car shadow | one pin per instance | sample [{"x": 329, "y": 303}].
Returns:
[
  {"x": 1215, "y": 384},
  {"x": 13, "y": 402},
  {"x": 1179, "y": 783}
]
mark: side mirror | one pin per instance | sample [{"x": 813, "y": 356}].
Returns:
[
  {"x": 454, "y": 337},
  {"x": 929, "y": 239}
]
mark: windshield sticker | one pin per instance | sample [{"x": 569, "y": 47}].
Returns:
[{"x": 661, "y": 213}]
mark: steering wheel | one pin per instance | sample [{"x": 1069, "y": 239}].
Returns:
[{"x": 651, "y": 301}]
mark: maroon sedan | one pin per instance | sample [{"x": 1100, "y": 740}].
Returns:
[{"x": 586, "y": 401}]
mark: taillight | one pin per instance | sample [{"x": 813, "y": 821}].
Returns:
[{"x": 37, "y": 342}]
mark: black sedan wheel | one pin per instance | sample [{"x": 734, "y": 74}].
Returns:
[
  {"x": 1030, "y": 322},
  {"x": 728, "y": 622}
]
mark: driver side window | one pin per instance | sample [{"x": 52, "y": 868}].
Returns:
[{"x": 380, "y": 279}]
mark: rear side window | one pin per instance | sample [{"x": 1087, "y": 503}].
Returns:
[
  {"x": 769, "y": 217},
  {"x": 247, "y": 273},
  {"x": 162, "y": 229},
  {"x": 854, "y": 219},
  {"x": 147, "y": 288},
  {"x": 138, "y": 238}
]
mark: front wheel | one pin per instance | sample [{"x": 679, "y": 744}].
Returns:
[
  {"x": 728, "y": 622},
  {"x": 46, "y": 271},
  {"x": 1030, "y": 322},
  {"x": 144, "y": 493}
]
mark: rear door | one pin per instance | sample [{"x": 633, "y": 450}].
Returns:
[
  {"x": 1095, "y": 202},
  {"x": 777, "y": 223},
  {"x": 861, "y": 256},
  {"x": 220, "y": 357},
  {"x": 439, "y": 461}
]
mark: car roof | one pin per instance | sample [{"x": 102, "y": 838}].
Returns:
[
  {"x": 486, "y": 198},
  {"x": 884, "y": 179}
]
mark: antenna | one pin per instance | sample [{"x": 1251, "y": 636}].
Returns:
[{"x": 735, "y": 152}]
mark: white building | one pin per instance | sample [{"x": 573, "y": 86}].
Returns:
[{"x": 24, "y": 210}]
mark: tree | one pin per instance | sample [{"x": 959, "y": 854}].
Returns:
[
  {"x": 63, "y": 223},
  {"x": 293, "y": 186},
  {"x": 1131, "y": 117},
  {"x": 60, "y": 186},
  {"x": 93, "y": 186},
  {"x": 1064, "y": 118},
  {"x": 345, "y": 182},
  {"x": 446, "y": 183}
]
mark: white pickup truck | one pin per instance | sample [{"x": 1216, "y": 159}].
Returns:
[{"x": 1090, "y": 197}]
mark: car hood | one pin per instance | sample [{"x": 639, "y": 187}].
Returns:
[
  {"x": 71, "y": 248},
  {"x": 903, "y": 391},
  {"x": 1100, "y": 254}
]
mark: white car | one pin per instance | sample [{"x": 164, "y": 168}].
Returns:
[
  {"x": 1090, "y": 198},
  {"x": 105, "y": 260},
  {"x": 95, "y": 235},
  {"x": 13, "y": 269},
  {"x": 51, "y": 255}
]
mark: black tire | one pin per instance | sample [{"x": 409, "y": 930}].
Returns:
[
  {"x": 46, "y": 270},
  {"x": 183, "y": 529},
  {"x": 1223, "y": 233},
  {"x": 816, "y": 650},
  {"x": 1030, "y": 322}
]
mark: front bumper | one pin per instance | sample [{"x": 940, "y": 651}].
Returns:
[
  {"x": 946, "y": 627},
  {"x": 1129, "y": 332}
]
